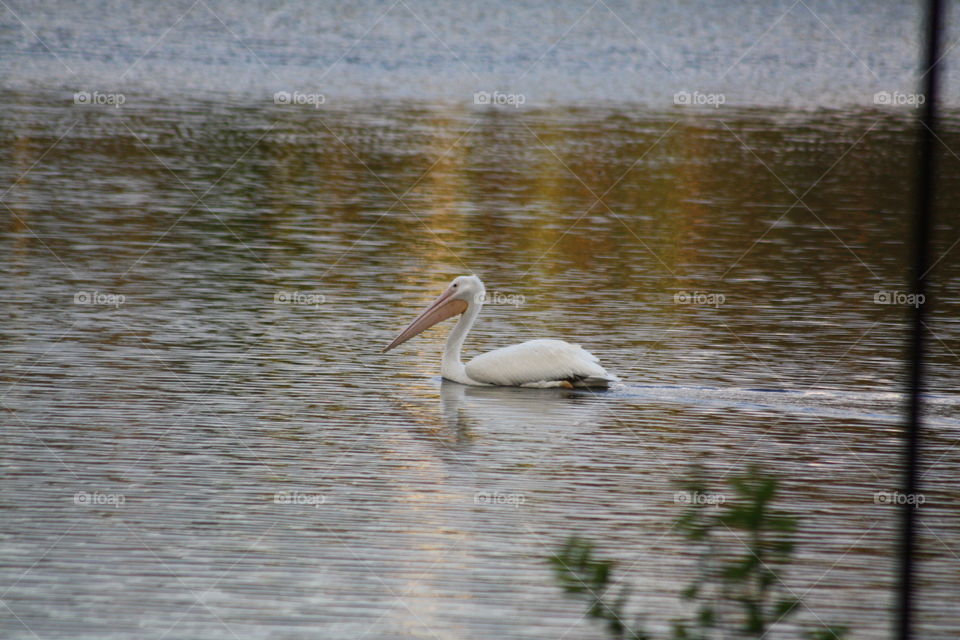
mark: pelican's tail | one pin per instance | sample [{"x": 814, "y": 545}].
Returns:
[{"x": 594, "y": 382}]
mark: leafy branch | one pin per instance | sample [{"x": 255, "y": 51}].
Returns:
[{"x": 744, "y": 543}]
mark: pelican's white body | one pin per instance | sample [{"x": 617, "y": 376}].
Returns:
[{"x": 537, "y": 363}]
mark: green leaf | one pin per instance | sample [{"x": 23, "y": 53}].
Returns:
[
  {"x": 706, "y": 617},
  {"x": 785, "y": 607}
]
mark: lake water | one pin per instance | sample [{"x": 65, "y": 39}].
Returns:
[{"x": 197, "y": 285}]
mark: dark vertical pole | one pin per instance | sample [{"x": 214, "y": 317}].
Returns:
[{"x": 926, "y": 180}]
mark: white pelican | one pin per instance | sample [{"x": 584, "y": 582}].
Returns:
[{"x": 536, "y": 363}]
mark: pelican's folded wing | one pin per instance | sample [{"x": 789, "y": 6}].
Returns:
[{"x": 540, "y": 363}]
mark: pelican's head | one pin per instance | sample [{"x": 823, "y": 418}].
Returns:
[{"x": 461, "y": 294}]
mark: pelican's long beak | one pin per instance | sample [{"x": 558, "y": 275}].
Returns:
[{"x": 439, "y": 310}]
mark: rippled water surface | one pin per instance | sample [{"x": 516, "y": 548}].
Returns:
[{"x": 195, "y": 293}]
